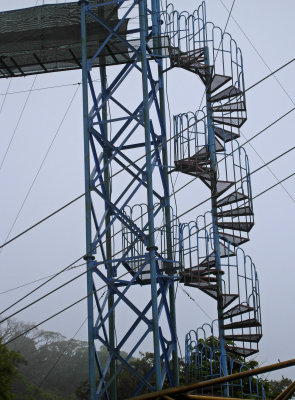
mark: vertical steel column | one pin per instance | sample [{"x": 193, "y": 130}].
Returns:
[
  {"x": 107, "y": 183},
  {"x": 88, "y": 257},
  {"x": 156, "y": 23},
  {"x": 212, "y": 152},
  {"x": 151, "y": 240}
]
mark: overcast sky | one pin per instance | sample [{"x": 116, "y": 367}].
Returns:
[{"x": 60, "y": 240}]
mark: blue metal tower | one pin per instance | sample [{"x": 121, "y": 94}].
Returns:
[{"x": 143, "y": 129}]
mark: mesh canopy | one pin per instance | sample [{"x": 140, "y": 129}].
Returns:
[{"x": 48, "y": 39}]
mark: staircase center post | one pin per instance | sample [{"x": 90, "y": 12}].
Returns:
[{"x": 213, "y": 166}]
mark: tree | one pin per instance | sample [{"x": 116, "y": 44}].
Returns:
[
  {"x": 277, "y": 387},
  {"x": 8, "y": 371}
]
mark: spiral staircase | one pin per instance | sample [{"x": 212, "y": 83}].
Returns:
[{"x": 206, "y": 148}]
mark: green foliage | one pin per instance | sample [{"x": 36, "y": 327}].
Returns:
[
  {"x": 276, "y": 387},
  {"x": 44, "y": 365},
  {"x": 8, "y": 371}
]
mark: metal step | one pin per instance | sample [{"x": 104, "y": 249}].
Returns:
[
  {"x": 225, "y": 135},
  {"x": 241, "y": 351},
  {"x": 217, "y": 82},
  {"x": 231, "y": 198},
  {"x": 237, "y": 310},
  {"x": 200, "y": 285},
  {"x": 192, "y": 55},
  {"x": 233, "y": 239},
  {"x": 236, "y": 122},
  {"x": 192, "y": 167},
  {"x": 236, "y": 212},
  {"x": 247, "y": 323},
  {"x": 227, "y": 298},
  {"x": 227, "y": 93},
  {"x": 203, "y": 153},
  {"x": 179, "y": 59},
  {"x": 236, "y": 226},
  {"x": 204, "y": 71},
  {"x": 200, "y": 273},
  {"x": 230, "y": 107},
  {"x": 255, "y": 337},
  {"x": 224, "y": 251},
  {"x": 221, "y": 186}
]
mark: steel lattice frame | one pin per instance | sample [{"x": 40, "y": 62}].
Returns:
[{"x": 101, "y": 152}]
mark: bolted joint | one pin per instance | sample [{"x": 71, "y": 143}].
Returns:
[
  {"x": 151, "y": 248},
  {"x": 88, "y": 258}
]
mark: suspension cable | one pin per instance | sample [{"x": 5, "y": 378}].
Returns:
[
  {"x": 121, "y": 250},
  {"x": 96, "y": 291},
  {"x": 117, "y": 173}
]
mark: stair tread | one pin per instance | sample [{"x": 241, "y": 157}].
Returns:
[
  {"x": 233, "y": 239},
  {"x": 203, "y": 272},
  {"x": 247, "y": 323},
  {"x": 255, "y": 337},
  {"x": 241, "y": 350},
  {"x": 204, "y": 152},
  {"x": 237, "y": 310},
  {"x": 231, "y": 198},
  {"x": 223, "y": 249},
  {"x": 231, "y": 121},
  {"x": 227, "y": 93},
  {"x": 230, "y": 107},
  {"x": 221, "y": 186},
  {"x": 239, "y": 211},
  {"x": 225, "y": 135},
  {"x": 217, "y": 82},
  {"x": 181, "y": 58},
  {"x": 236, "y": 226},
  {"x": 192, "y": 167},
  {"x": 200, "y": 285},
  {"x": 227, "y": 298}
]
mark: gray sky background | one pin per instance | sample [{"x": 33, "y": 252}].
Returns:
[{"x": 59, "y": 241}]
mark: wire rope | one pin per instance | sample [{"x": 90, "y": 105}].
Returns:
[
  {"x": 103, "y": 262},
  {"x": 18, "y": 122},
  {"x": 41, "y": 166},
  {"x": 112, "y": 176},
  {"x": 99, "y": 289}
]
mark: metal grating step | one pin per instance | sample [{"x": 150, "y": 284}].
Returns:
[
  {"x": 247, "y": 323},
  {"x": 227, "y": 298},
  {"x": 201, "y": 285},
  {"x": 225, "y": 135},
  {"x": 227, "y": 93},
  {"x": 224, "y": 251},
  {"x": 242, "y": 211},
  {"x": 181, "y": 59},
  {"x": 236, "y": 122},
  {"x": 237, "y": 310},
  {"x": 231, "y": 198},
  {"x": 201, "y": 273},
  {"x": 192, "y": 167},
  {"x": 255, "y": 337},
  {"x": 241, "y": 351},
  {"x": 233, "y": 239},
  {"x": 231, "y": 107},
  {"x": 217, "y": 82},
  {"x": 221, "y": 186},
  {"x": 236, "y": 226},
  {"x": 203, "y": 153}
]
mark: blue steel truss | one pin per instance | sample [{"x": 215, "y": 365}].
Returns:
[{"x": 113, "y": 144}]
